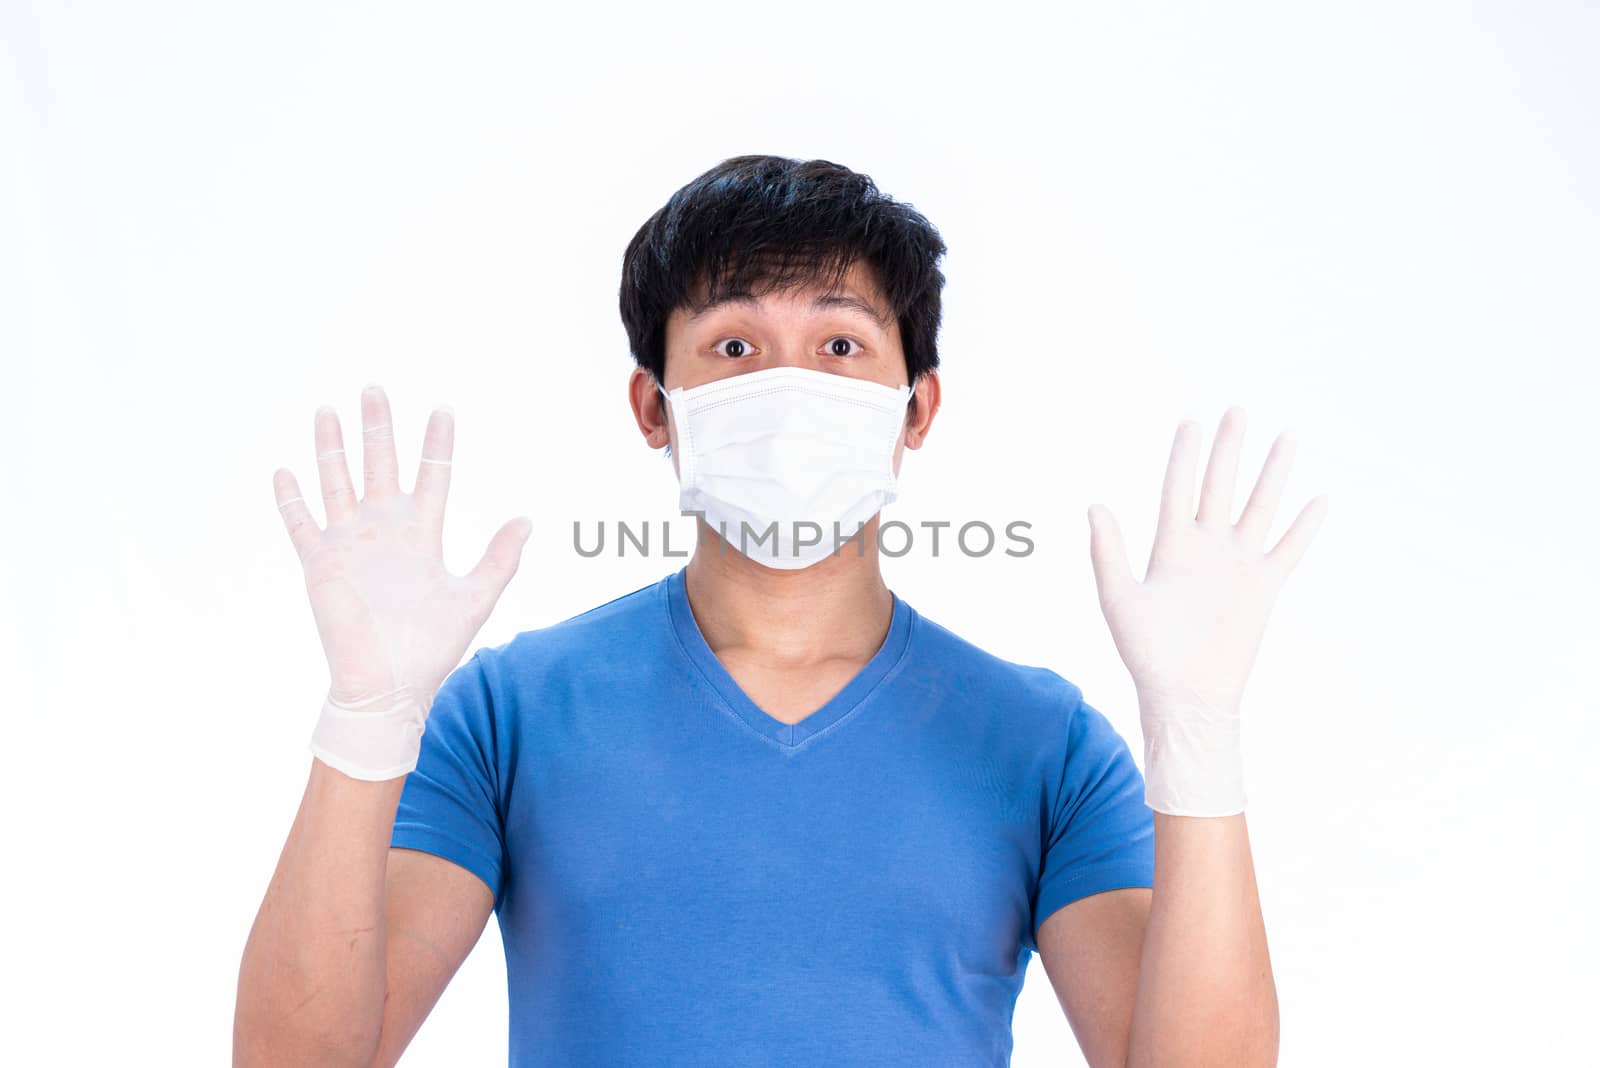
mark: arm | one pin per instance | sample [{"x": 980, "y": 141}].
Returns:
[
  {"x": 354, "y": 941},
  {"x": 1188, "y": 634},
  {"x": 1090, "y": 949},
  {"x": 1206, "y": 994},
  {"x": 436, "y": 914},
  {"x": 1174, "y": 975}
]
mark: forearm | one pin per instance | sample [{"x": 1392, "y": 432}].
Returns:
[
  {"x": 1205, "y": 994},
  {"x": 311, "y": 982}
]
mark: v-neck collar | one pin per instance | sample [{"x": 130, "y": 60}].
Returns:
[{"x": 847, "y": 700}]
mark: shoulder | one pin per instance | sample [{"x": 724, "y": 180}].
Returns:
[
  {"x": 618, "y": 630},
  {"x": 1011, "y": 688},
  {"x": 1027, "y": 718}
]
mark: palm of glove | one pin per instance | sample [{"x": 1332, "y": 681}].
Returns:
[
  {"x": 388, "y": 612},
  {"x": 1189, "y": 632},
  {"x": 392, "y": 619}
]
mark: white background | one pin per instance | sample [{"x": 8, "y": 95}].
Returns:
[{"x": 1375, "y": 223}]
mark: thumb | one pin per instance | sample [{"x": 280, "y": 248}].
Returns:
[
  {"x": 1112, "y": 574},
  {"x": 504, "y": 553}
]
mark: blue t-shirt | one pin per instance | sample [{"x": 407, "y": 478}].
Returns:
[{"x": 681, "y": 879}]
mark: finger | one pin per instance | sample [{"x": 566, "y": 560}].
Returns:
[
  {"x": 1222, "y": 470},
  {"x": 433, "y": 474},
  {"x": 1177, "y": 491},
  {"x": 338, "y": 495},
  {"x": 1292, "y": 546},
  {"x": 1107, "y": 555},
  {"x": 1262, "y": 507},
  {"x": 381, "y": 468},
  {"x": 501, "y": 558},
  {"x": 303, "y": 530}
]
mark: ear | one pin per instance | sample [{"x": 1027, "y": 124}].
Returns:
[
  {"x": 923, "y": 407},
  {"x": 649, "y": 408}
]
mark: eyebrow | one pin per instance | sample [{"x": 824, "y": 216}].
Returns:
[{"x": 826, "y": 300}]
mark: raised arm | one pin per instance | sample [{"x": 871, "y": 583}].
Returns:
[
  {"x": 354, "y": 942},
  {"x": 1182, "y": 976}
]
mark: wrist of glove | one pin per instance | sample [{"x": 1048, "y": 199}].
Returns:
[
  {"x": 372, "y": 739},
  {"x": 1193, "y": 761}
]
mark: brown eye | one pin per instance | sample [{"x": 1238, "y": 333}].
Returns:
[
  {"x": 736, "y": 347},
  {"x": 840, "y": 346}
]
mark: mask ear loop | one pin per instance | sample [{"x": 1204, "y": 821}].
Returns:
[{"x": 666, "y": 452}]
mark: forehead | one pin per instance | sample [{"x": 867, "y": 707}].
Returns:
[{"x": 856, "y": 290}]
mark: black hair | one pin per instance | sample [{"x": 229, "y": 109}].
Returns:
[{"x": 756, "y": 223}]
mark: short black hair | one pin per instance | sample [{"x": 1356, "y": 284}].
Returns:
[{"x": 757, "y": 223}]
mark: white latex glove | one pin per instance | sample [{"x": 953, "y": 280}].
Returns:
[
  {"x": 394, "y": 623},
  {"x": 1189, "y": 632}
]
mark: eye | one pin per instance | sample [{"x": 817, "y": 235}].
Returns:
[
  {"x": 737, "y": 347},
  {"x": 832, "y": 348}
]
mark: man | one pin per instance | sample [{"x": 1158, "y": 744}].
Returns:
[{"x": 762, "y": 812}]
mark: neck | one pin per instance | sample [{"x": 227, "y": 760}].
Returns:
[{"x": 837, "y": 607}]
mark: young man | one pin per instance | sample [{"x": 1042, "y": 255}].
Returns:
[{"x": 763, "y": 812}]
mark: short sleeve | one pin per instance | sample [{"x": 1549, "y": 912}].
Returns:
[
  {"x": 449, "y": 805},
  {"x": 1101, "y": 835}
]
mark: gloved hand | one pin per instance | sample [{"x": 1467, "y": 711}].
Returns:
[
  {"x": 394, "y": 623},
  {"x": 1189, "y": 632}
]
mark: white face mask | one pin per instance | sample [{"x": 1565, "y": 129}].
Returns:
[{"x": 788, "y": 449}]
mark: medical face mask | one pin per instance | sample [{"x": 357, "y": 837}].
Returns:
[{"x": 787, "y": 463}]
